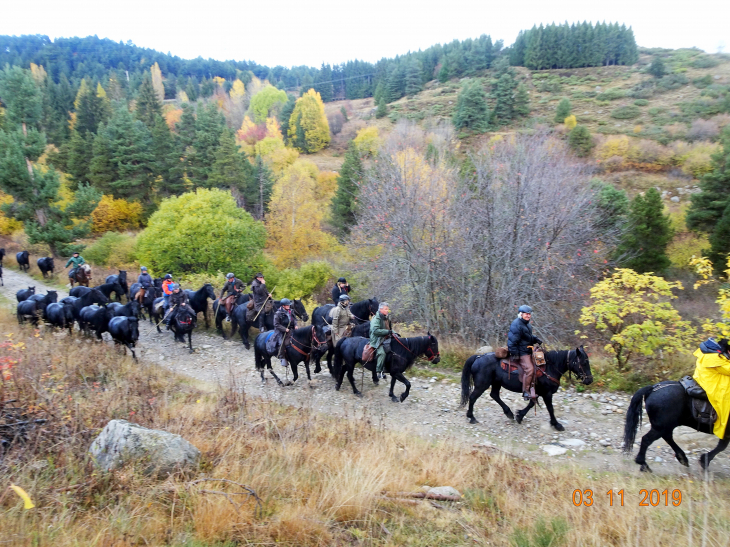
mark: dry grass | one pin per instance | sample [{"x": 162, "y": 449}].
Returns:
[{"x": 321, "y": 480}]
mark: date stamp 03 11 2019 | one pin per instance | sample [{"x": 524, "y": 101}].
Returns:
[{"x": 648, "y": 498}]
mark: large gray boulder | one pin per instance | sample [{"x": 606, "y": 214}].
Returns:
[{"x": 161, "y": 453}]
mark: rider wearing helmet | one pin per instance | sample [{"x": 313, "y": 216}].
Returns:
[
  {"x": 342, "y": 318},
  {"x": 167, "y": 283},
  {"x": 178, "y": 299},
  {"x": 284, "y": 324},
  {"x": 233, "y": 287},
  {"x": 340, "y": 288},
  {"x": 519, "y": 338},
  {"x": 145, "y": 280}
]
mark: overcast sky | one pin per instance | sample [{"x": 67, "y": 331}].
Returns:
[{"x": 309, "y": 32}]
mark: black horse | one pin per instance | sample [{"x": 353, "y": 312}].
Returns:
[
  {"x": 148, "y": 300},
  {"x": 303, "y": 341},
  {"x": 482, "y": 371},
  {"x": 24, "y": 294},
  {"x": 120, "y": 278},
  {"x": 130, "y": 309},
  {"x": 240, "y": 322},
  {"x": 23, "y": 261},
  {"x": 34, "y": 308},
  {"x": 322, "y": 321},
  {"x": 403, "y": 355},
  {"x": 199, "y": 300},
  {"x": 108, "y": 288},
  {"x": 364, "y": 310},
  {"x": 2, "y": 255},
  {"x": 125, "y": 331},
  {"x": 91, "y": 297},
  {"x": 46, "y": 265},
  {"x": 182, "y": 324},
  {"x": 2, "y": 281},
  {"x": 668, "y": 406},
  {"x": 61, "y": 315}
]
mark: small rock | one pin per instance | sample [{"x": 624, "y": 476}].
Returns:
[
  {"x": 554, "y": 450},
  {"x": 444, "y": 491},
  {"x": 604, "y": 442},
  {"x": 675, "y": 199},
  {"x": 572, "y": 442},
  {"x": 658, "y": 459},
  {"x": 205, "y": 346}
]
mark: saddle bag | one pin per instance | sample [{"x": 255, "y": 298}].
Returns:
[
  {"x": 250, "y": 305},
  {"x": 703, "y": 412},
  {"x": 693, "y": 389},
  {"x": 268, "y": 307},
  {"x": 386, "y": 345},
  {"x": 538, "y": 356},
  {"x": 368, "y": 353},
  {"x": 501, "y": 353}
]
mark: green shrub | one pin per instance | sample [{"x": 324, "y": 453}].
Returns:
[
  {"x": 702, "y": 83},
  {"x": 673, "y": 81},
  {"x": 705, "y": 61},
  {"x": 641, "y": 102},
  {"x": 626, "y": 112},
  {"x": 300, "y": 282},
  {"x": 112, "y": 249},
  {"x": 611, "y": 94},
  {"x": 196, "y": 280}
]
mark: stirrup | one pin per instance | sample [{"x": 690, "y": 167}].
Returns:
[{"x": 526, "y": 395}]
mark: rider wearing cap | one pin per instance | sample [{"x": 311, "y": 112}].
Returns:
[
  {"x": 260, "y": 295},
  {"x": 341, "y": 319},
  {"x": 178, "y": 299},
  {"x": 145, "y": 281},
  {"x": 233, "y": 287},
  {"x": 340, "y": 288},
  {"x": 76, "y": 260},
  {"x": 284, "y": 324},
  {"x": 381, "y": 333},
  {"x": 519, "y": 338}
]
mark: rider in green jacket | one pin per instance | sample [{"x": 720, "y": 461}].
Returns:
[
  {"x": 380, "y": 336},
  {"x": 76, "y": 260}
]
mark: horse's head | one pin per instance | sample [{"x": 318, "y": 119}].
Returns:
[
  {"x": 122, "y": 275},
  {"x": 299, "y": 310},
  {"x": 97, "y": 296},
  {"x": 134, "y": 307},
  {"x": 133, "y": 328},
  {"x": 32, "y": 289},
  {"x": 373, "y": 305},
  {"x": 432, "y": 351},
  {"x": 209, "y": 291},
  {"x": 86, "y": 269},
  {"x": 580, "y": 365},
  {"x": 51, "y": 297}
]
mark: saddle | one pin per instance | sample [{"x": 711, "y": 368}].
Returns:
[
  {"x": 702, "y": 410},
  {"x": 368, "y": 353},
  {"x": 512, "y": 367}
]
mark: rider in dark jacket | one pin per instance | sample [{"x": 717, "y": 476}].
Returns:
[
  {"x": 145, "y": 280},
  {"x": 340, "y": 288},
  {"x": 284, "y": 324},
  {"x": 520, "y": 336},
  {"x": 260, "y": 295},
  {"x": 233, "y": 288},
  {"x": 178, "y": 300}
]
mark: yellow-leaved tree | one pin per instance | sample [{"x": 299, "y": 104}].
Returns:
[
  {"x": 631, "y": 312},
  {"x": 309, "y": 129},
  {"x": 116, "y": 214},
  {"x": 296, "y": 211},
  {"x": 157, "y": 82},
  {"x": 368, "y": 141},
  {"x": 719, "y": 326}
]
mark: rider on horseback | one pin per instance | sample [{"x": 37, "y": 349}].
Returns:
[
  {"x": 233, "y": 287},
  {"x": 167, "y": 284},
  {"x": 340, "y": 288},
  {"x": 76, "y": 260},
  {"x": 519, "y": 338},
  {"x": 145, "y": 280},
  {"x": 341, "y": 320},
  {"x": 712, "y": 372},
  {"x": 178, "y": 300},
  {"x": 381, "y": 333},
  {"x": 284, "y": 323},
  {"x": 260, "y": 295}
]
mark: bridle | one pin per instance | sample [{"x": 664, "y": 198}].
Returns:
[
  {"x": 581, "y": 374},
  {"x": 428, "y": 348},
  {"x": 311, "y": 347},
  {"x": 370, "y": 313}
]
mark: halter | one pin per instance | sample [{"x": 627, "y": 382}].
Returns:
[
  {"x": 581, "y": 373},
  {"x": 370, "y": 310},
  {"x": 314, "y": 337}
]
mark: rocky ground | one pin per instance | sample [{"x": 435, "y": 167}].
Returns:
[{"x": 593, "y": 421}]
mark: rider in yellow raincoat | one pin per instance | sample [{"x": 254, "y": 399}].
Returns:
[{"x": 712, "y": 372}]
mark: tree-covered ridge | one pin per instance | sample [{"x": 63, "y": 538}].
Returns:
[
  {"x": 574, "y": 46},
  {"x": 68, "y": 61}
]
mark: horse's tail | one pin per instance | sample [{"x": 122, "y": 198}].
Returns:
[
  {"x": 633, "y": 417},
  {"x": 337, "y": 364},
  {"x": 467, "y": 381}
]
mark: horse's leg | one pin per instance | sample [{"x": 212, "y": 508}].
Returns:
[
  {"x": 522, "y": 413},
  {"x": 646, "y": 441},
  {"x": 494, "y": 394},
  {"x": 351, "y": 378},
  {"x": 190, "y": 340},
  {"x": 330, "y": 353},
  {"x": 402, "y": 379},
  {"x": 392, "y": 387},
  {"x": 548, "y": 398},
  {"x": 705, "y": 459},
  {"x": 205, "y": 316},
  {"x": 478, "y": 390},
  {"x": 678, "y": 452},
  {"x": 317, "y": 364},
  {"x": 306, "y": 367},
  {"x": 271, "y": 370}
]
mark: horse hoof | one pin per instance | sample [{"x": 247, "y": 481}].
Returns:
[
  {"x": 703, "y": 461},
  {"x": 683, "y": 460},
  {"x": 288, "y": 383},
  {"x": 376, "y": 382},
  {"x": 473, "y": 420},
  {"x": 358, "y": 394},
  {"x": 403, "y": 397},
  {"x": 645, "y": 468},
  {"x": 395, "y": 399},
  {"x": 317, "y": 370},
  {"x": 510, "y": 415},
  {"x": 558, "y": 426}
]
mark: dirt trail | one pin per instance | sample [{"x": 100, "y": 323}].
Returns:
[{"x": 593, "y": 423}]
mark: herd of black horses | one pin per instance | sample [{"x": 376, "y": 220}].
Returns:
[{"x": 667, "y": 404}]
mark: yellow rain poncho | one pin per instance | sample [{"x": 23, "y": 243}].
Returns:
[{"x": 713, "y": 374}]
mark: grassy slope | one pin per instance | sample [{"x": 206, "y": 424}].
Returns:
[{"x": 321, "y": 481}]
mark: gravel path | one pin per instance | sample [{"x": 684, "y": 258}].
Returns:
[{"x": 593, "y": 422}]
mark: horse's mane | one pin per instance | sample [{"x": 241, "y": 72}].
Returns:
[{"x": 556, "y": 358}]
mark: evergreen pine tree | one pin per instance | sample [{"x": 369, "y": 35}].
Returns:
[
  {"x": 471, "y": 108},
  {"x": 191, "y": 90},
  {"x": 644, "y": 244},
  {"x": 323, "y": 84},
  {"x": 186, "y": 126},
  {"x": 444, "y": 73},
  {"x": 563, "y": 110},
  {"x": 231, "y": 170},
  {"x": 285, "y": 115},
  {"x": 581, "y": 141},
  {"x": 93, "y": 108},
  {"x": 720, "y": 242},
  {"x": 657, "y": 68},
  {"x": 708, "y": 206},
  {"x": 504, "y": 95},
  {"x": 148, "y": 106},
  {"x": 522, "y": 101},
  {"x": 258, "y": 192},
  {"x": 168, "y": 167},
  {"x": 344, "y": 202},
  {"x": 101, "y": 169},
  {"x": 35, "y": 191},
  {"x": 414, "y": 83},
  {"x": 382, "y": 110},
  {"x": 80, "y": 154},
  {"x": 208, "y": 128}
]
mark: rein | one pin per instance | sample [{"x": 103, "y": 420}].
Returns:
[
  {"x": 428, "y": 348},
  {"x": 311, "y": 347}
]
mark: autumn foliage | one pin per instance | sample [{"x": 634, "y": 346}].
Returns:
[{"x": 116, "y": 215}]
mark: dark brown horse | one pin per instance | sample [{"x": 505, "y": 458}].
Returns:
[{"x": 82, "y": 276}]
